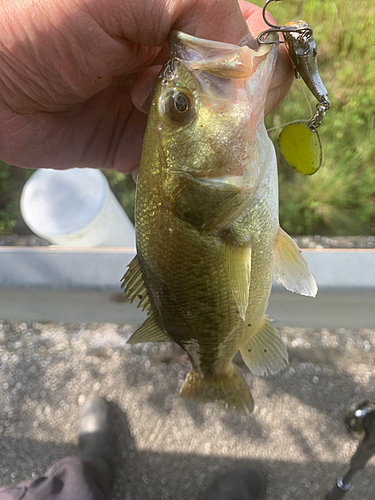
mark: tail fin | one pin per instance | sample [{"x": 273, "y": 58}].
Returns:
[{"x": 230, "y": 390}]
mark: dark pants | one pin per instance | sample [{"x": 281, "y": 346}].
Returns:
[{"x": 68, "y": 479}]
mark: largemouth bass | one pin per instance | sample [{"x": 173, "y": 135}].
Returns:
[{"x": 207, "y": 228}]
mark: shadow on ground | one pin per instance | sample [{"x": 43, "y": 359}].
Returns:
[
  {"x": 170, "y": 448},
  {"x": 144, "y": 475}
]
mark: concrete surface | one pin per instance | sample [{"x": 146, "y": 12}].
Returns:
[
  {"x": 58, "y": 267},
  {"x": 102, "y": 268},
  {"x": 331, "y": 308},
  {"x": 170, "y": 448}
]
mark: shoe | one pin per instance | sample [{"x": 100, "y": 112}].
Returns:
[
  {"x": 96, "y": 440},
  {"x": 243, "y": 483}
]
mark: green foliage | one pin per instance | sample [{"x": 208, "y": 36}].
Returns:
[
  {"x": 123, "y": 188},
  {"x": 340, "y": 198},
  {"x": 12, "y": 180}
]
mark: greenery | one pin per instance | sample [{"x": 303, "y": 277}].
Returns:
[
  {"x": 123, "y": 187},
  {"x": 340, "y": 198},
  {"x": 11, "y": 182}
]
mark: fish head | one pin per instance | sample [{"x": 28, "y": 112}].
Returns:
[{"x": 208, "y": 109}]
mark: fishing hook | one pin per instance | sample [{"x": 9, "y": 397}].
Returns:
[{"x": 305, "y": 31}]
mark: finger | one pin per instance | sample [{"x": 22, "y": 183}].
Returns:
[
  {"x": 128, "y": 153},
  {"x": 141, "y": 92},
  {"x": 149, "y": 22},
  {"x": 219, "y": 20}
]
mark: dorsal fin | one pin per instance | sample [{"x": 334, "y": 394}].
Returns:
[
  {"x": 291, "y": 267},
  {"x": 238, "y": 266},
  {"x": 149, "y": 332},
  {"x": 134, "y": 285}
]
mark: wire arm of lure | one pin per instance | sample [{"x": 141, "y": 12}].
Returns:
[{"x": 299, "y": 40}]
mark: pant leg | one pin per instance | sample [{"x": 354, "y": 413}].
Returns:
[{"x": 68, "y": 479}]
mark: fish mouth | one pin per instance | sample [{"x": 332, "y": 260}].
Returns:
[
  {"x": 219, "y": 58},
  {"x": 226, "y": 73},
  {"x": 231, "y": 83}
]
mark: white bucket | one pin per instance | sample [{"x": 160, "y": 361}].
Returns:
[{"x": 75, "y": 208}]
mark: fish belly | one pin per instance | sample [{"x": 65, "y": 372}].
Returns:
[{"x": 188, "y": 287}]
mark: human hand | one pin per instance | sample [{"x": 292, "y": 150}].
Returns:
[{"x": 74, "y": 74}]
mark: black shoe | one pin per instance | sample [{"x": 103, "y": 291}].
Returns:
[
  {"x": 244, "y": 483},
  {"x": 96, "y": 439}
]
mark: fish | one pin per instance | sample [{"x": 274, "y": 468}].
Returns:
[{"x": 206, "y": 218}]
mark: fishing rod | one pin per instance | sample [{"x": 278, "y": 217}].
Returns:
[{"x": 360, "y": 423}]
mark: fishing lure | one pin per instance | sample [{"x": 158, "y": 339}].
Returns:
[{"x": 299, "y": 141}]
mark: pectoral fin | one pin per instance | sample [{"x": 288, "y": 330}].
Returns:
[
  {"x": 265, "y": 353},
  {"x": 149, "y": 332},
  {"x": 134, "y": 285},
  {"x": 238, "y": 266},
  {"x": 291, "y": 267}
]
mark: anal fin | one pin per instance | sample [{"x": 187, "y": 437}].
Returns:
[
  {"x": 265, "y": 353},
  {"x": 238, "y": 266},
  {"x": 291, "y": 267},
  {"x": 149, "y": 331}
]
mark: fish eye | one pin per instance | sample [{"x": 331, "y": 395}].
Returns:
[{"x": 178, "y": 106}]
